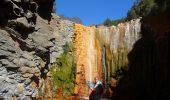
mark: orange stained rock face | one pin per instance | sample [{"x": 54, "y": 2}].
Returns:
[
  {"x": 91, "y": 42},
  {"x": 98, "y": 58},
  {"x": 86, "y": 57}
]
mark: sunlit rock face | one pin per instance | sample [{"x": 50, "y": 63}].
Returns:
[
  {"x": 118, "y": 41},
  {"x": 101, "y": 50},
  {"x": 28, "y": 44},
  {"x": 85, "y": 56}
]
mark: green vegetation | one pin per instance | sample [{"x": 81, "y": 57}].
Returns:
[
  {"x": 142, "y": 8},
  {"x": 119, "y": 73},
  {"x": 120, "y": 63},
  {"x": 109, "y": 22},
  {"x": 62, "y": 71}
]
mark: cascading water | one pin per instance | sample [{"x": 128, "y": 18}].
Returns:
[
  {"x": 104, "y": 62},
  {"x": 103, "y": 50}
]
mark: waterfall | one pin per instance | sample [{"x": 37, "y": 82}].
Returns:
[
  {"x": 104, "y": 62},
  {"x": 96, "y": 46}
]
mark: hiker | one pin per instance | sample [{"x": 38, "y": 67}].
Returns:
[
  {"x": 97, "y": 82},
  {"x": 91, "y": 86},
  {"x": 97, "y": 90}
]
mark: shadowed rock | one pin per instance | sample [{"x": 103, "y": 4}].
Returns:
[{"x": 149, "y": 71}]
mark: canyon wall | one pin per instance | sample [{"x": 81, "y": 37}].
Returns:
[
  {"x": 148, "y": 74},
  {"x": 32, "y": 38},
  {"x": 29, "y": 42},
  {"x": 101, "y": 51},
  {"x": 140, "y": 47}
]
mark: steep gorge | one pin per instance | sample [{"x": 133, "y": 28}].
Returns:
[{"x": 42, "y": 54}]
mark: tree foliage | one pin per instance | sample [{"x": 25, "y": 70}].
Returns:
[
  {"x": 62, "y": 72},
  {"x": 142, "y": 8},
  {"x": 109, "y": 22}
]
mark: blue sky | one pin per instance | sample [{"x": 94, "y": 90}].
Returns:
[{"x": 94, "y": 11}]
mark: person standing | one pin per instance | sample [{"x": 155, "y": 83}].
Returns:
[{"x": 97, "y": 91}]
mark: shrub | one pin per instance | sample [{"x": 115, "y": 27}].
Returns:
[
  {"x": 109, "y": 22},
  {"x": 142, "y": 8},
  {"x": 62, "y": 72}
]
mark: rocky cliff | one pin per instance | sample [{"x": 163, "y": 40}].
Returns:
[
  {"x": 148, "y": 74},
  {"x": 29, "y": 42},
  {"x": 35, "y": 55},
  {"x": 101, "y": 51}
]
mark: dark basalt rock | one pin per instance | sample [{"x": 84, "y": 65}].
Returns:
[
  {"x": 45, "y": 6},
  {"x": 11, "y": 9}
]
